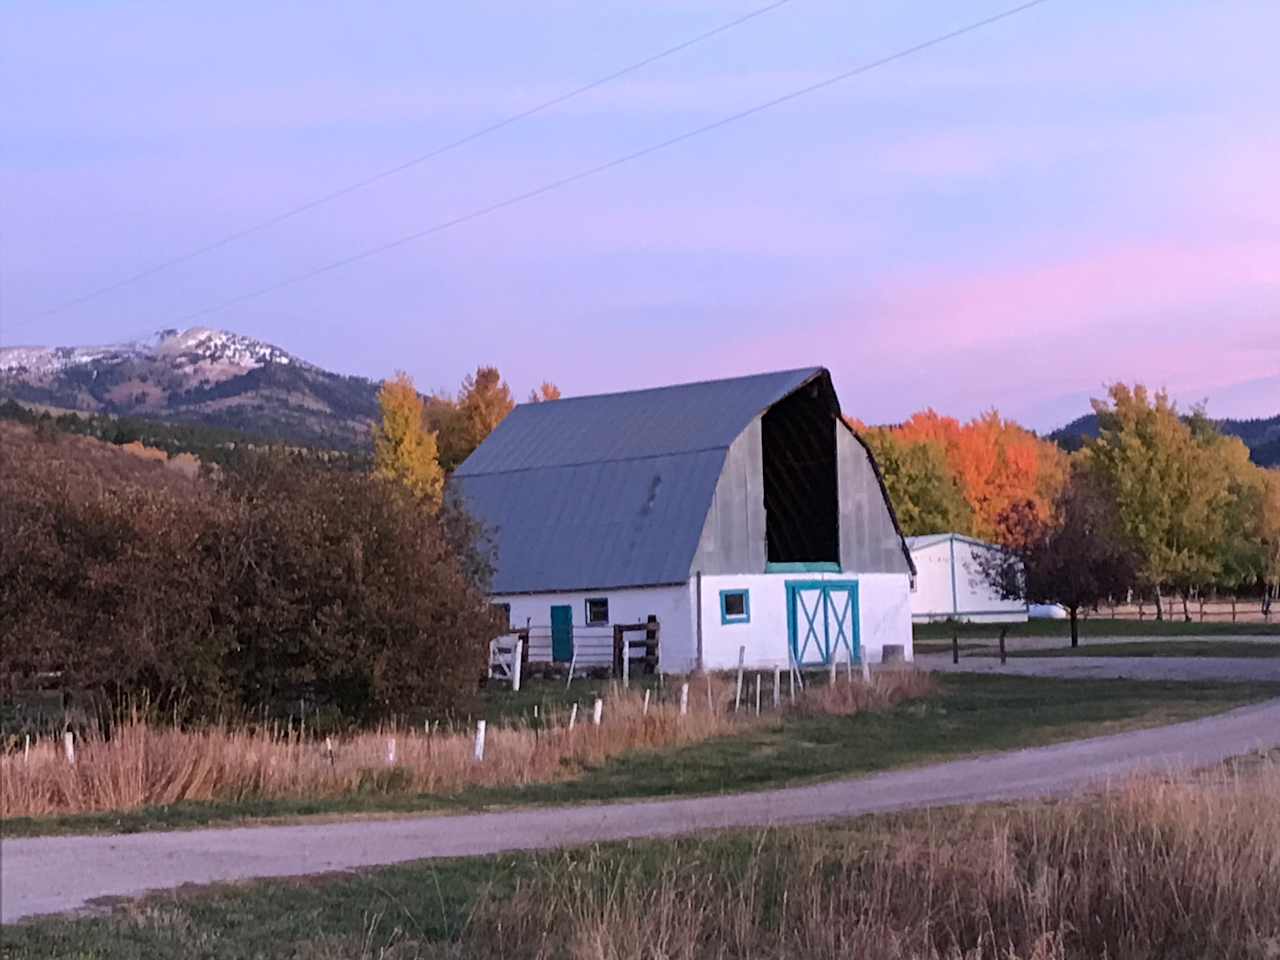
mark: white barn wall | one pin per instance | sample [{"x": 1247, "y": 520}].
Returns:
[
  {"x": 672, "y": 605},
  {"x": 884, "y": 611}
]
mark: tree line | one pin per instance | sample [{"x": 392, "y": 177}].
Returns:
[
  {"x": 1157, "y": 503},
  {"x": 420, "y": 440}
]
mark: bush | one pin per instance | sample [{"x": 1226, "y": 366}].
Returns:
[{"x": 277, "y": 581}]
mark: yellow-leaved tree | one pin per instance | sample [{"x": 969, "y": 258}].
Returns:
[{"x": 403, "y": 448}]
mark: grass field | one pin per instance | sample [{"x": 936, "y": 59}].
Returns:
[
  {"x": 1161, "y": 648},
  {"x": 969, "y": 714},
  {"x": 1095, "y": 627},
  {"x": 1157, "y": 869}
]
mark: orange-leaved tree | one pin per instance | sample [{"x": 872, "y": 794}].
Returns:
[{"x": 995, "y": 462}]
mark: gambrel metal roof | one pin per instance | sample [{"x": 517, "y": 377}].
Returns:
[{"x": 613, "y": 490}]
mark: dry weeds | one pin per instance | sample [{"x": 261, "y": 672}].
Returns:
[
  {"x": 1157, "y": 869},
  {"x": 144, "y": 765}
]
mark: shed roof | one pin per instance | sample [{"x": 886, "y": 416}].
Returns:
[
  {"x": 610, "y": 490},
  {"x": 924, "y": 541}
]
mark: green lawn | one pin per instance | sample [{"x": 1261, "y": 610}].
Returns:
[
  {"x": 1095, "y": 627},
  {"x": 972, "y": 714}
]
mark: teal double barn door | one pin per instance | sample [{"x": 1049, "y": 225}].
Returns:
[{"x": 822, "y": 621}]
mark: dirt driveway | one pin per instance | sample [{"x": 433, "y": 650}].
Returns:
[{"x": 56, "y": 874}]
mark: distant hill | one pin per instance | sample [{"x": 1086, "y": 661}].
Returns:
[
  {"x": 1261, "y": 436},
  {"x": 198, "y": 376}
]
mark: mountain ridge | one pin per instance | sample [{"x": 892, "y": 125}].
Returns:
[
  {"x": 1260, "y": 434},
  {"x": 199, "y": 376}
]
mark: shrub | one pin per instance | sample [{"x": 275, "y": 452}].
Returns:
[{"x": 278, "y": 580}]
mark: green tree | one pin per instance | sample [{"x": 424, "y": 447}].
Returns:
[
  {"x": 1168, "y": 491},
  {"x": 925, "y": 492},
  {"x": 403, "y": 448}
]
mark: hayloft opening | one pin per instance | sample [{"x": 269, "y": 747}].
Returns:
[{"x": 801, "y": 494}]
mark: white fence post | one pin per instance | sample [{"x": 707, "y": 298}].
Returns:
[
  {"x": 573, "y": 715},
  {"x": 757, "y": 694},
  {"x": 480, "y": 731},
  {"x": 573, "y": 662},
  {"x": 391, "y": 751},
  {"x": 684, "y": 699},
  {"x": 597, "y": 712},
  {"x": 626, "y": 662},
  {"x": 517, "y": 657},
  {"x": 777, "y": 687},
  {"x": 26, "y": 749},
  {"x": 866, "y": 672},
  {"x": 69, "y": 746},
  {"x": 645, "y": 711}
]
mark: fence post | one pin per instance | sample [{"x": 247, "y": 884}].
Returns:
[
  {"x": 26, "y": 749},
  {"x": 516, "y": 665},
  {"x": 573, "y": 662},
  {"x": 711, "y": 707},
  {"x": 69, "y": 747},
  {"x": 626, "y": 663},
  {"x": 480, "y": 731},
  {"x": 597, "y": 712},
  {"x": 391, "y": 751},
  {"x": 645, "y": 711},
  {"x": 737, "y": 695},
  {"x": 955, "y": 645},
  {"x": 757, "y": 694},
  {"x": 866, "y": 672},
  {"x": 684, "y": 699},
  {"x": 573, "y": 715},
  {"x": 777, "y": 687}
]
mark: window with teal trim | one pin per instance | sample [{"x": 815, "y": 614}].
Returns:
[{"x": 735, "y": 606}]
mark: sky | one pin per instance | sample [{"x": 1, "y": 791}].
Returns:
[{"x": 1082, "y": 193}]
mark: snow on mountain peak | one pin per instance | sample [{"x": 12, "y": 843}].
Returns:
[{"x": 210, "y": 350}]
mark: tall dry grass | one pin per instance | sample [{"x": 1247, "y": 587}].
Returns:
[
  {"x": 1157, "y": 869},
  {"x": 142, "y": 765}
]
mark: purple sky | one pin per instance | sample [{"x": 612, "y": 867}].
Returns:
[{"x": 1088, "y": 191}]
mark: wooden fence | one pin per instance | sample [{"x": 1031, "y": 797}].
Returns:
[
  {"x": 1199, "y": 609},
  {"x": 596, "y": 648}
]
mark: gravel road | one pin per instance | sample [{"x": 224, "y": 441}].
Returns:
[{"x": 58, "y": 874}]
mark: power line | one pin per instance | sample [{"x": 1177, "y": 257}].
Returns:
[
  {"x": 611, "y": 164},
  {"x": 452, "y": 145}
]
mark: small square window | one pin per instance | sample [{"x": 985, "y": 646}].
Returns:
[
  {"x": 598, "y": 610},
  {"x": 735, "y": 606}
]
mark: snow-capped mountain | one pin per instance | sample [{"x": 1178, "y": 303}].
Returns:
[
  {"x": 197, "y": 375},
  {"x": 197, "y": 349}
]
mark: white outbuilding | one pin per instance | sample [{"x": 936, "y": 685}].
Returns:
[
  {"x": 736, "y": 514},
  {"x": 950, "y": 584}
]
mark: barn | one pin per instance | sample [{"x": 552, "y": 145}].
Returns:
[
  {"x": 950, "y": 584},
  {"x": 736, "y": 514}
]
